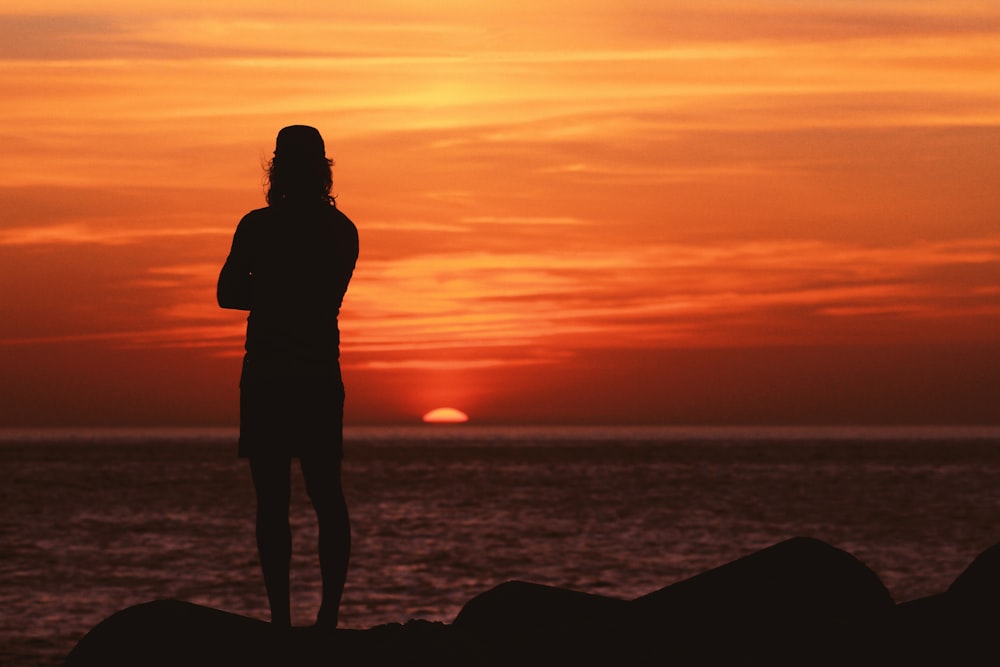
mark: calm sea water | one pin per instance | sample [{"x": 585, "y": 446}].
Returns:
[{"x": 92, "y": 522}]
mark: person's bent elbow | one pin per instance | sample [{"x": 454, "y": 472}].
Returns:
[
  {"x": 233, "y": 304},
  {"x": 234, "y": 294}
]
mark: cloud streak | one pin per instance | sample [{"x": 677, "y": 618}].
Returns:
[
  {"x": 671, "y": 295},
  {"x": 72, "y": 234}
]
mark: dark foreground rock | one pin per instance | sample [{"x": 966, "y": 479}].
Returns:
[
  {"x": 173, "y": 633},
  {"x": 799, "y": 602},
  {"x": 960, "y": 626}
]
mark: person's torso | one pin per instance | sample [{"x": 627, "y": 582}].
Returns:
[{"x": 301, "y": 264}]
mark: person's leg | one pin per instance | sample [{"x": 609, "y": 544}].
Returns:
[
  {"x": 323, "y": 484},
  {"x": 272, "y": 482}
]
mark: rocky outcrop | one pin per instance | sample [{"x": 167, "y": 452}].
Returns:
[
  {"x": 955, "y": 627},
  {"x": 799, "y": 602}
]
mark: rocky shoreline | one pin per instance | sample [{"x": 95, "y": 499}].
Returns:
[{"x": 798, "y": 602}]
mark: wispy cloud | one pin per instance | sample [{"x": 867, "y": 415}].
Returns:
[
  {"x": 86, "y": 234},
  {"x": 671, "y": 295},
  {"x": 446, "y": 364},
  {"x": 221, "y": 336}
]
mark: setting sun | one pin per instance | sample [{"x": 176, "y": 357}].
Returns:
[{"x": 445, "y": 416}]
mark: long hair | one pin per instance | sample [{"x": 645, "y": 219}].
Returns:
[{"x": 299, "y": 179}]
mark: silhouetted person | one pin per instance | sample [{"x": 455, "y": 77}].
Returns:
[{"x": 290, "y": 265}]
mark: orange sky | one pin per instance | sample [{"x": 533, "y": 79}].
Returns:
[{"x": 601, "y": 210}]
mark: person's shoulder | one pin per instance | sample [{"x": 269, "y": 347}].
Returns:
[
  {"x": 341, "y": 218},
  {"x": 336, "y": 212},
  {"x": 256, "y": 216},
  {"x": 251, "y": 228},
  {"x": 259, "y": 214}
]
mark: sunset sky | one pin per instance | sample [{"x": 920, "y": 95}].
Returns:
[{"x": 597, "y": 211}]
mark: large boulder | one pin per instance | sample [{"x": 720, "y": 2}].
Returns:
[
  {"x": 172, "y": 633},
  {"x": 166, "y": 633},
  {"x": 957, "y": 626},
  {"x": 800, "y": 601},
  {"x": 522, "y": 623}
]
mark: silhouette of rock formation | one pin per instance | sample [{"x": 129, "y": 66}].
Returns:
[{"x": 798, "y": 602}]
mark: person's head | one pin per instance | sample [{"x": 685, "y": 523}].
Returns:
[{"x": 299, "y": 172}]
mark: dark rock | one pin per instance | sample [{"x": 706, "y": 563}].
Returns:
[
  {"x": 523, "y": 623},
  {"x": 171, "y": 632},
  {"x": 181, "y": 634},
  {"x": 799, "y": 602},
  {"x": 978, "y": 587},
  {"x": 958, "y": 626},
  {"x": 416, "y": 642}
]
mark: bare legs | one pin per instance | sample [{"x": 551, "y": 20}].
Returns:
[
  {"x": 272, "y": 483},
  {"x": 322, "y": 476}
]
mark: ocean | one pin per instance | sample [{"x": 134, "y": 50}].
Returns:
[{"x": 94, "y": 521}]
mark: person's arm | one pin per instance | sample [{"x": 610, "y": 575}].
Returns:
[
  {"x": 351, "y": 254},
  {"x": 234, "y": 288}
]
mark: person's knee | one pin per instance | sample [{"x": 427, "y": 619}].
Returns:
[
  {"x": 272, "y": 513},
  {"x": 328, "y": 501},
  {"x": 322, "y": 479},
  {"x": 272, "y": 482}
]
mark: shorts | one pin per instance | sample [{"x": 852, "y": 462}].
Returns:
[{"x": 291, "y": 416}]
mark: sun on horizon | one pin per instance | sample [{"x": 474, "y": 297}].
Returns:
[{"x": 445, "y": 416}]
